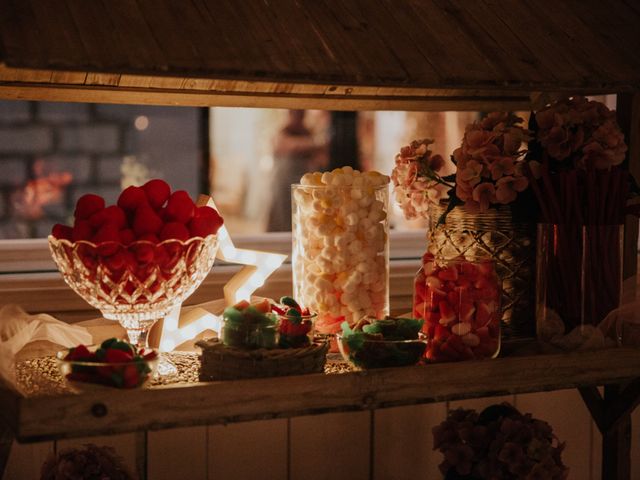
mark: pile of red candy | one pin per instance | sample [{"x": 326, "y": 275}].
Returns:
[
  {"x": 460, "y": 304},
  {"x": 117, "y": 364},
  {"x": 150, "y": 212}
]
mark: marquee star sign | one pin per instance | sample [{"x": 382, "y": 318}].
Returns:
[{"x": 258, "y": 266}]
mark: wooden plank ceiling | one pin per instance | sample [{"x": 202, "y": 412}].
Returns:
[{"x": 367, "y": 52}]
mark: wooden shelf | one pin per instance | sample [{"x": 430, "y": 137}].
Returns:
[{"x": 40, "y": 418}]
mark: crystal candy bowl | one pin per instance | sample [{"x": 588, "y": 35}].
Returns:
[
  {"x": 135, "y": 284},
  {"x": 383, "y": 353},
  {"x": 82, "y": 375}
]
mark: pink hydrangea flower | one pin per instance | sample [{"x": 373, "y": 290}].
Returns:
[
  {"x": 581, "y": 133},
  {"x": 491, "y": 149},
  {"x": 499, "y": 443},
  {"x": 484, "y": 195},
  {"x": 507, "y": 188},
  {"x": 417, "y": 183}
]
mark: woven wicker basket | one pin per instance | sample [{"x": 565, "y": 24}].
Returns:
[
  {"x": 510, "y": 244},
  {"x": 219, "y": 362}
]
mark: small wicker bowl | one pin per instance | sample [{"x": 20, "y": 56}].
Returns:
[{"x": 220, "y": 362}]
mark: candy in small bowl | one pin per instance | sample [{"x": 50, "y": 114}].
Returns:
[
  {"x": 391, "y": 342},
  {"x": 115, "y": 363},
  {"x": 249, "y": 326},
  {"x": 295, "y": 323}
]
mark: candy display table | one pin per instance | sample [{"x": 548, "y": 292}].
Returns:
[{"x": 48, "y": 415}]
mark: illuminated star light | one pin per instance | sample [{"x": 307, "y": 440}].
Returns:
[{"x": 258, "y": 266}]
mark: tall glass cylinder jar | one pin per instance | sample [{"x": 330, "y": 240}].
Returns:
[
  {"x": 341, "y": 249},
  {"x": 579, "y": 282}
]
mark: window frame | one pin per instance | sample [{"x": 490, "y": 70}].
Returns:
[{"x": 29, "y": 278}]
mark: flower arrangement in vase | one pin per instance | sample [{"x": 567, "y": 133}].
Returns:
[
  {"x": 500, "y": 442},
  {"x": 484, "y": 209},
  {"x": 582, "y": 190}
]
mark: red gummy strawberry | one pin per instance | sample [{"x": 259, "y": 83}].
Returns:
[
  {"x": 115, "y": 355},
  {"x": 131, "y": 198},
  {"x": 144, "y": 253},
  {"x": 157, "y": 192},
  {"x": 174, "y": 230},
  {"x": 87, "y": 205},
  {"x": 127, "y": 236},
  {"x": 180, "y": 207},
  {"x": 115, "y": 263},
  {"x": 81, "y": 352},
  {"x": 62, "y": 232},
  {"x": 109, "y": 232},
  {"x": 149, "y": 237},
  {"x": 205, "y": 221},
  {"x": 146, "y": 220},
  {"x": 130, "y": 376},
  {"x": 81, "y": 230},
  {"x": 113, "y": 215}
]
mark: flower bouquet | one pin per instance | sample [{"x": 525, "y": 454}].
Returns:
[
  {"x": 484, "y": 209},
  {"x": 500, "y": 442},
  {"x": 582, "y": 190},
  {"x": 489, "y": 169}
]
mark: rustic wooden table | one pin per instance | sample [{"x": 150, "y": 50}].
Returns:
[{"x": 41, "y": 415}]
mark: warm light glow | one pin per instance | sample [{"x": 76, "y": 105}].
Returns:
[
  {"x": 141, "y": 123},
  {"x": 197, "y": 321},
  {"x": 258, "y": 266}
]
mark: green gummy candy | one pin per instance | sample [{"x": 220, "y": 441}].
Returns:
[
  {"x": 233, "y": 315},
  {"x": 108, "y": 342},
  {"x": 289, "y": 302}
]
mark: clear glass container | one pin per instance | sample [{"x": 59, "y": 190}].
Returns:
[
  {"x": 341, "y": 252},
  {"x": 248, "y": 335},
  {"x": 579, "y": 282},
  {"x": 459, "y": 300},
  {"x": 135, "y": 284}
]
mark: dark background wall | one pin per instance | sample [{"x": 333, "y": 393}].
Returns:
[{"x": 99, "y": 148}]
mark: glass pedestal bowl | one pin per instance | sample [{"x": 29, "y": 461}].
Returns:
[{"x": 135, "y": 284}]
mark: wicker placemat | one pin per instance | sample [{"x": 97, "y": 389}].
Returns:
[{"x": 40, "y": 376}]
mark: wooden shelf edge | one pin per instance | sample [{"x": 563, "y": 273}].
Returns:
[{"x": 47, "y": 418}]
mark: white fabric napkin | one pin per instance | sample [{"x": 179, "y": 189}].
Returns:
[{"x": 18, "y": 328}]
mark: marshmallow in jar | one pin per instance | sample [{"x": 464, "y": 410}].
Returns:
[{"x": 341, "y": 245}]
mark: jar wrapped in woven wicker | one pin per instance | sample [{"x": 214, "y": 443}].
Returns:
[{"x": 510, "y": 244}]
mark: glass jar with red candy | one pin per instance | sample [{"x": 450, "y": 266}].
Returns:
[{"x": 459, "y": 300}]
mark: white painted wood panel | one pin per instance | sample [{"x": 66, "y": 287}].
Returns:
[
  {"x": 247, "y": 451},
  {"x": 25, "y": 460},
  {"x": 177, "y": 453},
  {"x": 403, "y": 442},
  {"x": 330, "y": 446},
  {"x": 480, "y": 404}
]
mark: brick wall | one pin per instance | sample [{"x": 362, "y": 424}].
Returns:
[{"x": 97, "y": 147}]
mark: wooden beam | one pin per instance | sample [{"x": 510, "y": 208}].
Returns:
[
  {"x": 193, "y": 98},
  {"x": 51, "y": 417}
]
